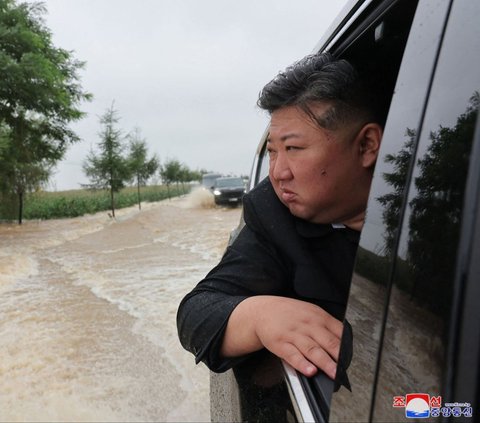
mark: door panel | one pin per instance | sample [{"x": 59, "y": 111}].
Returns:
[
  {"x": 371, "y": 281},
  {"x": 417, "y": 328}
]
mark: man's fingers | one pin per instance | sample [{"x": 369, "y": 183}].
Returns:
[
  {"x": 306, "y": 356},
  {"x": 327, "y": 341},
  {"x": 292, "y": 355},
  {"x": 323, "y": 354},
  {"x": 333, "y": 325}
]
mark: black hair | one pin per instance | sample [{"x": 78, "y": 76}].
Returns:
[{"x": 320, "y": 78}]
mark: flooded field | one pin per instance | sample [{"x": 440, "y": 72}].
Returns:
[{"x": 87, "y": 313}]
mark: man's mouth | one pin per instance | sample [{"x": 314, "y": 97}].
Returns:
[{"x": 287, "y": 195}]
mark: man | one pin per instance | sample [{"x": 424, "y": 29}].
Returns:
[{"x": 283, "y": 283}]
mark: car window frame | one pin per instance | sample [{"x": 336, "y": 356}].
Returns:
[
  {"x": 464, "y": 352},
  {"x": 463, "y": 343}
]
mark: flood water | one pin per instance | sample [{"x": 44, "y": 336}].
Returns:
[{"x": 88, "y": 308}]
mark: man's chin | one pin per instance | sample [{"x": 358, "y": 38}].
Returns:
[
  {"x": 295, "y": 207},
  {"x": 298, "y": 211}
]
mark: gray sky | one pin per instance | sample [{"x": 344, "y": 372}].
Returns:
[{"x": 186, "y": 72}]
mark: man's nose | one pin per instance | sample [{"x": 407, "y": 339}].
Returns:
[{"x": 280, "y": 168}]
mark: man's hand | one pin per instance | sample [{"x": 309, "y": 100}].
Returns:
[{"x": 302, "y": 334}]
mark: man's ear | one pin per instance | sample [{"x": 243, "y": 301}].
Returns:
[{"x": 368, "y": 140}]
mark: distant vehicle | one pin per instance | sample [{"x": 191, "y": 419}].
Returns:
[
  {"x": 228, "y": 191},
  {"x": 208, "y": 179}
]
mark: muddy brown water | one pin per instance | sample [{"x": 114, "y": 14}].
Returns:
[{"x": 88, "y": 307}]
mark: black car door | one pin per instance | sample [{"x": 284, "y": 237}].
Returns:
[{"x": 412, "y": 304}]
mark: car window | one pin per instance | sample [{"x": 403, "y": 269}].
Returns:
[
  {"x": 463, "y": 359},
  {"x": 417, "y": 328},
  {"x": 264, "y": 166},
  {"x": 371, "y": 280},
  {"x": 229, "y": 182}
]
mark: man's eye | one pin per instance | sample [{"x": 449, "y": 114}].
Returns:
[{"x": 292, "y": 147}]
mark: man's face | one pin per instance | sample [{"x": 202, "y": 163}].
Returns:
[{"x": 317, "y": 173}]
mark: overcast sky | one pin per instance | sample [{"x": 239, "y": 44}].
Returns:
[{"x": 186, "y": 72}]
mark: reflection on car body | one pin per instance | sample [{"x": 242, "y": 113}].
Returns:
[{"x": 415, "y": 291}]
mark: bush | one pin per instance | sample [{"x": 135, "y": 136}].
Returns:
[{"x": 54, "y": 205}]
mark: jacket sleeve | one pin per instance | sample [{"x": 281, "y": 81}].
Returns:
[{"x": 250, "y": 266}]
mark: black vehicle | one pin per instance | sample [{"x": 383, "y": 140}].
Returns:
[
  {"x": 414, "y": 303},
  {"x": 228, "y": 191}
]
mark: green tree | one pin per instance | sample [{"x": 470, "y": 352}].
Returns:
[
  {"x": 4, "y": 141},
  {"x": 392, "y": 201},
  {"x": 438, "y": 196},
  {"x": 141, "y": 167},
  {"x": 108, "y": 169},
  {"x": 39, "y": 97},
  {"x": 438, "y": 203},
  {"x": 194, "y": 175},
  {"x": 170, "y": 172},
  {"x": 25, "y": 166}
]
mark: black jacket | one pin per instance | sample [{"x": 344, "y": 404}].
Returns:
[{"x": 274, "y": 254}]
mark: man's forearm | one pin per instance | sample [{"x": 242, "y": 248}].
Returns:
[{"x": 240, "y": 336}]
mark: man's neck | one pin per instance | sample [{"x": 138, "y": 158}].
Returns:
[{"x": 356, "y": 223}]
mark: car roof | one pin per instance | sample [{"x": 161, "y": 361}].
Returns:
[{"x": 338, "y": 26}]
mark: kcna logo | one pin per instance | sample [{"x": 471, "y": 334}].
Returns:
[
  {"x": 422, "y": 406},
  {"x": 418, "y": 406}
]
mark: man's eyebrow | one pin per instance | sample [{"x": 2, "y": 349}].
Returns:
[{"x": 285, "y": 137}]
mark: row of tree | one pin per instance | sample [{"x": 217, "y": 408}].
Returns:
[
  {"x": 114, "y": 164},
  {"x": 40, "y": 93}
]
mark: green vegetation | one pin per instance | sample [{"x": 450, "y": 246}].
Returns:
[
  {"x": 141, "y": 167},
  {"x": 172, "y": 171},
  {"x": 108, "y": 169},
  {"x": 39, "y": 96},
  {"x": 53, "y": 205}
]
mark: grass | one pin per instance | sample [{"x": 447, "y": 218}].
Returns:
[{"x": 61, "y": 204}]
